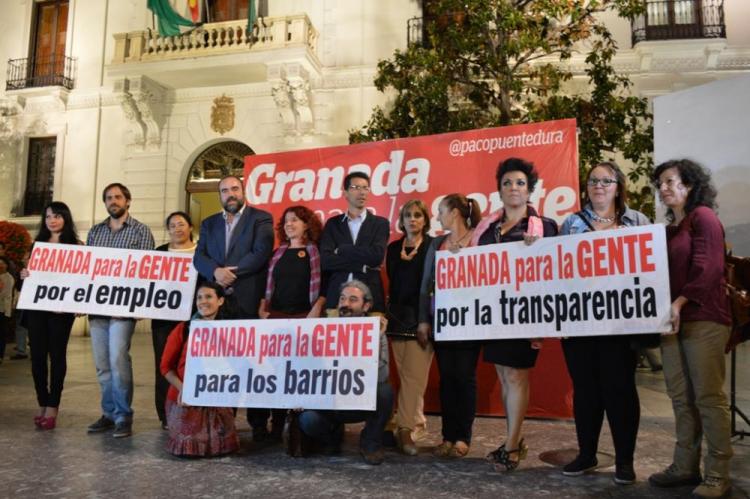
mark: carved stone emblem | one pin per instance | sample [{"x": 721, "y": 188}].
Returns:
[{"x": 222, "y": 115}]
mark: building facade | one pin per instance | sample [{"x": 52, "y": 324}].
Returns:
[{"x": 94, "y": 95}]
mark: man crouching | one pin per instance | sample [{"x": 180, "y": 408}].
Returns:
[{"x": 324, "y": 430}]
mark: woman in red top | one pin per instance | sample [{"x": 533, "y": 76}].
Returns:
[
  {"x": 195, "y": 431},
  {"x": 693, "y": 354}
]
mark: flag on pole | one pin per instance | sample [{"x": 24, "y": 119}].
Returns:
[
  {"x": 169, "y": 20},
  {"x": 251, "y": 17}
]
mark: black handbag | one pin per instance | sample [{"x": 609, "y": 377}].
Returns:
[{"x": 402, "y": 321}]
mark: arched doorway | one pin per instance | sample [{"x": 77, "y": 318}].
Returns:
[{"x": 202, "y": 185}]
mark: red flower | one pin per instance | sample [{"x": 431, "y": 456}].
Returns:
[{"x": 16, "y": 239}]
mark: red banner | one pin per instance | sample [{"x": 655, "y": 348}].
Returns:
[
  {"x": 426, "y": 168},
  {"x": 429, "y": 168}
]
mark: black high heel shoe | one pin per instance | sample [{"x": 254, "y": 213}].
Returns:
[{"x": 501, "y": 456}]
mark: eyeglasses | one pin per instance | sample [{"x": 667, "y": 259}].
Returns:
[
  {"x": 359, "y": 188},
  {"x": 605, "y": 182}
]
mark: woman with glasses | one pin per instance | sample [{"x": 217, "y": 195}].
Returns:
[{"x": 602, "y": 368}]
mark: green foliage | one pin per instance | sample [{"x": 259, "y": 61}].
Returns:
[{"x": 500, "y": 62}]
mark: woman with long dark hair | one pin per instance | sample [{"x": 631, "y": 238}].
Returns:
[
  {"x": 693, "y": 355},
  {"x": 196, "y": 431},
  {"x": 457, "y": 360},
  {"x": 602, "y": 368},
  {"x": 49, "y": 332},
  {"x": 180, "y": 229}
]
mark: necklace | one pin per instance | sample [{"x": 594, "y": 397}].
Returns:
[
  {"x": 410, "y": 255},
  {"x": 602, "y": 220},
  {"x": 454, "y": 246}
]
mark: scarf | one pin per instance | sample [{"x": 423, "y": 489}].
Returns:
[{"x": 312, "y": 250}]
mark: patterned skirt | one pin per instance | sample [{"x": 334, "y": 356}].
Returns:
[{"x": 200, "y": 431}]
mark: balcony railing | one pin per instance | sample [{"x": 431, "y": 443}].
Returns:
[
  {"x": 680, "y": 19},
  {"x": 216, "y": 39},
  {"x": 57, "y": 71}
]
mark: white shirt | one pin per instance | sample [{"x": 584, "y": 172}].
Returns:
[
  {"x": 354, "y": 225},
  {"x": 229, "y": 227}
]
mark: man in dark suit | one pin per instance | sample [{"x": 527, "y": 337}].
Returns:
[
  {"x": 233, "y": 250},
  {"x": 353, "y": 244}
]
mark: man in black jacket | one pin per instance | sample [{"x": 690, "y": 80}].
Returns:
[{"x": 353, "y": 244}]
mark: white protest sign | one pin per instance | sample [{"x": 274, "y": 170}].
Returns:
[
  {"x": 596, "y": 283},
  {"x": 109, "y": 281},
  {"x": 283, "y": 363}
]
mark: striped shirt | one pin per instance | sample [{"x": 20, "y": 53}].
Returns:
[{"x": 132, "y": 235}]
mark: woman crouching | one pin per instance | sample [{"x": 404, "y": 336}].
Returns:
[{"x": 195, "y": 431}]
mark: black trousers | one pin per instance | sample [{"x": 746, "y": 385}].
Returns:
[
  {"x": 4, "y": 327},
  {"x": 457, "y": 365},
  {"x": 48, "y": 336},
  {"x": 603, "y": 372},
  {"x": 159, "y": 333}
]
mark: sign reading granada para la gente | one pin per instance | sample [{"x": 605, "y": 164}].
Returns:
[
  {"x": 596, "y": 283},
  {"x": 283, "y": 363},
  {"x": 426, "y": 168},
  {"x": 109, "y": 281}
]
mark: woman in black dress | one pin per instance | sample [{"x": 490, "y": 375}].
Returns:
[{"x": 513, "y": 358}]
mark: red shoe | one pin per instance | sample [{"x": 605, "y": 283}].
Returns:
[{"x": 47, "y": 423}]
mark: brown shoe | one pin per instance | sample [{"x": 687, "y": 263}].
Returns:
[
  {"x": 292, "y": 435},
  {"x": 674, "y": 477},
  {"x": 375, "y": 457},
  {"x": 713, "y": 487},
  {"x": 405, "y": 442}
]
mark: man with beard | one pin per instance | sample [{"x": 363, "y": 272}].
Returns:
[
  {"x": 234, "y": 248},
  {"x": 326, "y": 428},
  {"x": 110, "y": 336},
  {"x": 353, "y": 245}
]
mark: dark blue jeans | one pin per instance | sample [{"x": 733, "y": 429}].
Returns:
[{"x": 327, "y": 426}]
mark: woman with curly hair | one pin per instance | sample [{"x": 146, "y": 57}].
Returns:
[
  {"x": 693, "y": 355},
  {"x": 294, "y": 284}
]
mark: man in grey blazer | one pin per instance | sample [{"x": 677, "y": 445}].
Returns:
[{"x": 234, "y": 248}]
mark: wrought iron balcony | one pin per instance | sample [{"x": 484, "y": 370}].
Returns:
[
  {"x": 680, "y": 19},
  {"x": 53, "y": 71}
]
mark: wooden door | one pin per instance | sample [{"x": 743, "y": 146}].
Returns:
[{"x": 48, "y": 43}]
